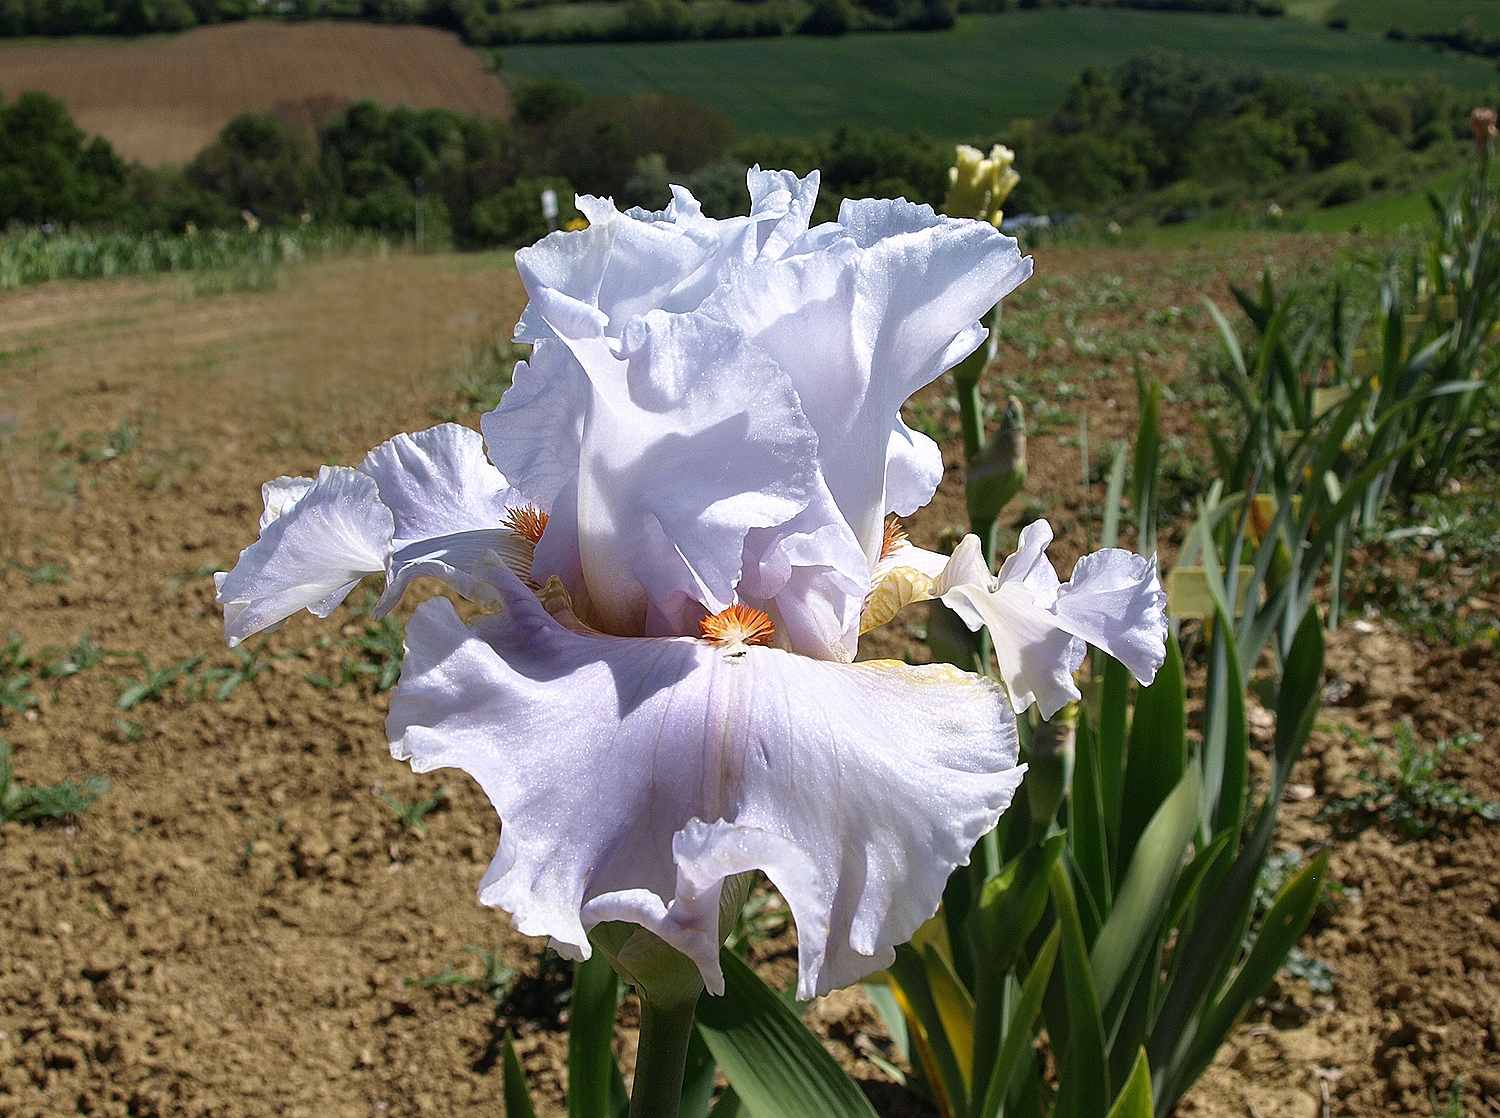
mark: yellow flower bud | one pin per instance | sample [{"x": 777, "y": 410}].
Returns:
[{"x": 978, "y": 184}]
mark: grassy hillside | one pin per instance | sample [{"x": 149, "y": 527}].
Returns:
[
  {"x": 969, "y": 80},
  {"x": 1415, "y": 16}
]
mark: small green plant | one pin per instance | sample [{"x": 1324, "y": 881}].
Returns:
[
  {"x": 14, "y": 676},
  {"x": 80, "y": 658},
  {"x": 415, "y": 814},
  {"x": 156, "y": 682},
  {"x": 496, "y": 980},
  {"x": 56, "y": 801},
  {"x": 207, "y": 570},
  {"x": 1453, "y": 1105},
  {"x": 130, "y": 732},
  {"x": 125, "y": 438},
  {"x": 483, "y": 378},
  {"x": 381, "y": 647},
  {"x": 248, "y": 665},
  {"x": 764, "y": 915},
  {"x": 45, "y": 574},
  {"x": 1405, "y": 789}
]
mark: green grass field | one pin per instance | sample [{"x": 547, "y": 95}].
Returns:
[
  {"x": 969, "y": 81},
  {"x": 1415, "y": 16}
]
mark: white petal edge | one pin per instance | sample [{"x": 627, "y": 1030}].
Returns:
[{"x": 310, "y": 556}]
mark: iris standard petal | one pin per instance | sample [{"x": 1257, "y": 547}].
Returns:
[
  {"x": 310, "y": 556},
  {"x": 664, "y": 765},
  {"x": 280, "y": 495},
  {"x": 534, "y": 435},
  {"x": 694, "y": 437}
]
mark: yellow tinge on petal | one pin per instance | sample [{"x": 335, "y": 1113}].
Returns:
[{"x": 899, "y": 588}]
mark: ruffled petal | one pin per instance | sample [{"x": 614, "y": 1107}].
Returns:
[
  {"x": 280, "y": 495},
  {"x": 535, "y": 434},
  {"x": 1036, "y": 658},
  {"x": 310, "y": 556},
  {"x": 627, "y": 767},
  {"x": 694, "y": 438},
  {"x": 1115, "y": 601},
  {"x": 1039, "y": 627},
  {"x": 437, "y": 482},
  {"x": 863, "y": 323},
  {"x": 458, "y": 559},
  {"x": 809, "y": 575}
]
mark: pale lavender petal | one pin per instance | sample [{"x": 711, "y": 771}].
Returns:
[
  {"x": 694, "y": 438},
  {"x": 437, "y": 482},
  {"x": 458, "y": 559},
  {"x": 280, "y": 495},
  {"x": 572, "y": 262},
  {"x": 310, "y": 556},
  {"x": 1029, "y": 566},
  {"x": 664, "y": 765},
  {"x": 535, "y": 434},
  {"x": 1115, "y": 602},
  {"x": 913, "y": 470},
  {"x": 1036, "y": 657}
]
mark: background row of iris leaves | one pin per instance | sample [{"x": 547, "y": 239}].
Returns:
[{"x": 1117, "y": 916}]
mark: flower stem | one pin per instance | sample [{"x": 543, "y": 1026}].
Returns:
[{"x": 661, "y": 1059}]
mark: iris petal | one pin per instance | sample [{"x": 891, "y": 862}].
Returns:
[
  {"x": 623, "y": 767},
  {"x": 308, "y": 557}
]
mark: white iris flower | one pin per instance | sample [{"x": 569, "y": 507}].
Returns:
[{"x": 680, "y": 529}]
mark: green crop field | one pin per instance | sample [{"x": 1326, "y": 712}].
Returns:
[
  {"x": 1412, "y": 16},
  {"x": 968, "y": 81}
]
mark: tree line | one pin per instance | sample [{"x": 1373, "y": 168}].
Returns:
[
  {"x": 499, "y": 22},
  {"x": 1160, "y": 135}
]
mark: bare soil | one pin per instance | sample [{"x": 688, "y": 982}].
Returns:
[
  {"x": 162, "y": 100},
  {"x": 241, "y": 925}
]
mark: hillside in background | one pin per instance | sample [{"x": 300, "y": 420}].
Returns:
[
  {"x": 160, "y": 100},
  {"x": 972, "y": 79}
]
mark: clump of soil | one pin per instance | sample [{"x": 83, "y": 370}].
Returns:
[{"x": 243, "y": 925}]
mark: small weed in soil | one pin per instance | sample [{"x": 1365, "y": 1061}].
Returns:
[
  {"x": 120, "y": 442},
  {"x": 1453, "y": 1105},
  {"x": 208, "y": 570},
  {"x": 156, "y": 682},
  {"x": 56, "y": 801},
  {"x": 496, "y": 980},
  {"x": 1405, "y": 790},
  {"x": 1274, "y": 872},
  {"x": 248, "y": 665},
  {"x": 483, "y": 378},
  {"x": 381, "y": 647},
  {"x": 15, "y": 677},
  {"x": 415, "y": 813},
  {"x": 80, "y": 658},
  {"x": 1434, "y": 572},
  {"x": 45, "y": 574}
]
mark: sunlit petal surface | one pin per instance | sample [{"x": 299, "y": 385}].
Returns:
[{"x": 634, "y": 775}]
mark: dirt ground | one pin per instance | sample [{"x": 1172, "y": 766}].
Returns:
[
  {"x": 163, "y": 99},
  {"x": 242, "y": 925}
]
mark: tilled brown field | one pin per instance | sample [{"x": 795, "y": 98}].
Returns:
[
  {"x": 164, "y": 99},
  {"x": 242, "y": 925}
]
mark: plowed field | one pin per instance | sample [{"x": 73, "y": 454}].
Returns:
[
  {"x": 241, "y": 926},
  {"x": 162, "y": 100}
]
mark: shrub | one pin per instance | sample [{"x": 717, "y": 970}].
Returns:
[
  {"x": 49, "y": 172},
  {"x": 260, "y": 165},
  {"x": 514, "y": 216}
]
